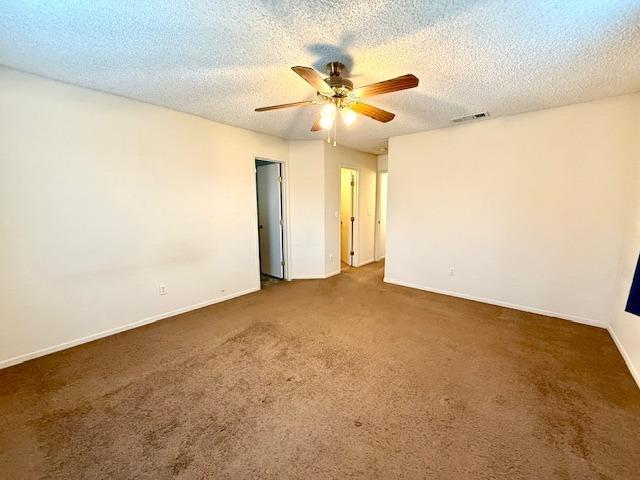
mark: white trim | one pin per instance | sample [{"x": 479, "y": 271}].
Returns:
[
  {"x": 366, "y": 262},
  {"x": 634, "y": 373},
  {"x": 539, "y": 311},
  {"x": 316, "y": 277},
  {"x": 112, "y": 331}
]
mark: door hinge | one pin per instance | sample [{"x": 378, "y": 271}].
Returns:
[
  {"x": 353, "y": 219},
  {"x": 280, "y": 179},
  {"x": 282, "y": 263},
  {"x": 281, "y": 222},
  {"x": 353, "y": 184},
  {"x": 352, "y": 253}
]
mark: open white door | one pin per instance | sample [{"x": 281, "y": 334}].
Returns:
[{"x": 268, "y": 180}]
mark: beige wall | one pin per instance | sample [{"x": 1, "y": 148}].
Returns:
[
  {"x": 383, "y": 163},
  {"x": 331, "y": 209},
  {"x": 307, "y": 208},
  {"x": 102, "y": 199},
  {"x": 530, "y": 210}
]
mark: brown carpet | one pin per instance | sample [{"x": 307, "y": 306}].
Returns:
[{"x": 338, "y": 378}]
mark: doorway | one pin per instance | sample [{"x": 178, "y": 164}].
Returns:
[
  {"x": 270, "y": 221},
  {"x": 348, "y": 181}
]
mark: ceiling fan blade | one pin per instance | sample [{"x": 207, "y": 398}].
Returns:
[
  {"x": 387, "y": 86},
  {"x": 372, "y": 112},
  {"x": 285, "y": 105},
  {"x": 314, "y": 79},
  {"x": 316, "y": 125}
]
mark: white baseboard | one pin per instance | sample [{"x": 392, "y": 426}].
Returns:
[
  {"x": 112, "y": 331},
  {"x": 627, "y": 359},
  {"x": 366, "y": 262},
  {"x": 539, "y": 311},
  {"x": 316, "y": 277}
]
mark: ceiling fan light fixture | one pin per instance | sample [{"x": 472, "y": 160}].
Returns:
[
  {"x": 326, "y": 123},
  {"x": 348, "y": 116},
  {"x": 327, "y": 116},
  {"x": 329, "y": 110}
]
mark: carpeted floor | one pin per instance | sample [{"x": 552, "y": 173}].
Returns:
[{"x": 338, "y": 378}]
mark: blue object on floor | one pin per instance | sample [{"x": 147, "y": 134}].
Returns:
[{"x": 633, "y": 303}]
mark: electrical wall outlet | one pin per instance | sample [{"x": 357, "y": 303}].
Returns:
[
  {"x": 331, "y": 257},
  {"x": 162, "y": 289},
  {"x": 452, "y": 272}
]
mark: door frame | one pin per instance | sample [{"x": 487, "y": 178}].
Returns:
[
  {"x": 356, "y": 212},
  {"x": 376, "y": 244},
  {"x": 286, "y": 234}
]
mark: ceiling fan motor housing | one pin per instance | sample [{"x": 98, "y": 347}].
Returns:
[{"x": 340, "y": 85}]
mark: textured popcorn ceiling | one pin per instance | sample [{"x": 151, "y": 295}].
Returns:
[{"x": 221, "y": 59}]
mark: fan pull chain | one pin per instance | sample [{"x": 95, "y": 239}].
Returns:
[{"x": 335, "y": 130}]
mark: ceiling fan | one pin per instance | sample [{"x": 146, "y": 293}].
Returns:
[{"x": 337, "y": 93}]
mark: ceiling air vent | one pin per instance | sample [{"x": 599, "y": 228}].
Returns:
[{"x": 468, "y": 118}]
